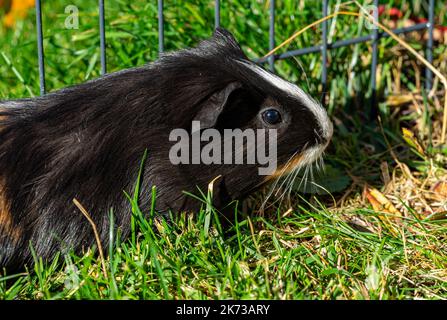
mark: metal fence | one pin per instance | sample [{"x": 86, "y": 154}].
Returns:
[{"x": 323, "y": 48}]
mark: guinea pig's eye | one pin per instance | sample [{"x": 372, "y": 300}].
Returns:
[{"x": 271, "y": 116}]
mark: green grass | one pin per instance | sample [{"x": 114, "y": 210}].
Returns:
[
  {"x": 317, "y": 250},
  {"x": 311, "y": 254}
]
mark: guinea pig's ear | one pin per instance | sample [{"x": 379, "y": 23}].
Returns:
[
  {"x": 225, "y": 43},
  {"x": 221, "y": 34},
  {"x": 214, "y": 105}
]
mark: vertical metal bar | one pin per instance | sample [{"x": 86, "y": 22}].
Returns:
[
  {"x": 161, "y": 30},
  {"x": 430, "y": 27},
  {"x": 40, "y": 52},
  {"x": 375, "y": 42},
  {"x": 272, "y": 34},
  {"x": 324, "y": 53},
  {"x": 217, "y": 14},
  {"x": 102, "y": 37}
]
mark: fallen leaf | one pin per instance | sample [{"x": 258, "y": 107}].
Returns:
[
  {"x": 384, "y": 169},
  {"x": 440, "y": 190},
  {"x": 412, "y": 141},
  {"x": 380, "y": 203}
]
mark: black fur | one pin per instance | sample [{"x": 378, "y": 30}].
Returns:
[{"x": 87, "y": 142}]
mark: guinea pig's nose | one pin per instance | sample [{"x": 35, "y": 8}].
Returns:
[
  {"x": 321, "y": 138},
  {"x": 329, "y": 132},
  {"x": 324, "y": 135}
]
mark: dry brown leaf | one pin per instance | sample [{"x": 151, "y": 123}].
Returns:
[
  {"x": 380, "y": 203},
  {"x": 440, "y": 190},
  {"x": 384, "y": 169}
]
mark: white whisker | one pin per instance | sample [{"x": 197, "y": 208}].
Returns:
[{"x": 283, "y": 171}]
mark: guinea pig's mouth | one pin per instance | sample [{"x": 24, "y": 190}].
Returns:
[
  {"x": 284, "y": 177},
  {"x": 301, "y": 158},
  {"x": 312, "y": 154}
]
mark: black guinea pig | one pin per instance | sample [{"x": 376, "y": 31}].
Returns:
[{"x": 86, "y": 142}]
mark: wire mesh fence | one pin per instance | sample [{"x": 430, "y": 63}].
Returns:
[{"x": 374, "y": 37}]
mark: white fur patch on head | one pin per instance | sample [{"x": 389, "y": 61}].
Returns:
[{"x": 295, "y": 91}]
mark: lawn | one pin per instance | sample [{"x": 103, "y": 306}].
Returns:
[{"x": 373, "y": 225}]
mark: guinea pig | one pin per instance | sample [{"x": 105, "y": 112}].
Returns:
[{"x": 87, "y": 142}]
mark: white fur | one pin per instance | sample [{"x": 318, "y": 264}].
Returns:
[{"x": 310, "y": 155}]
